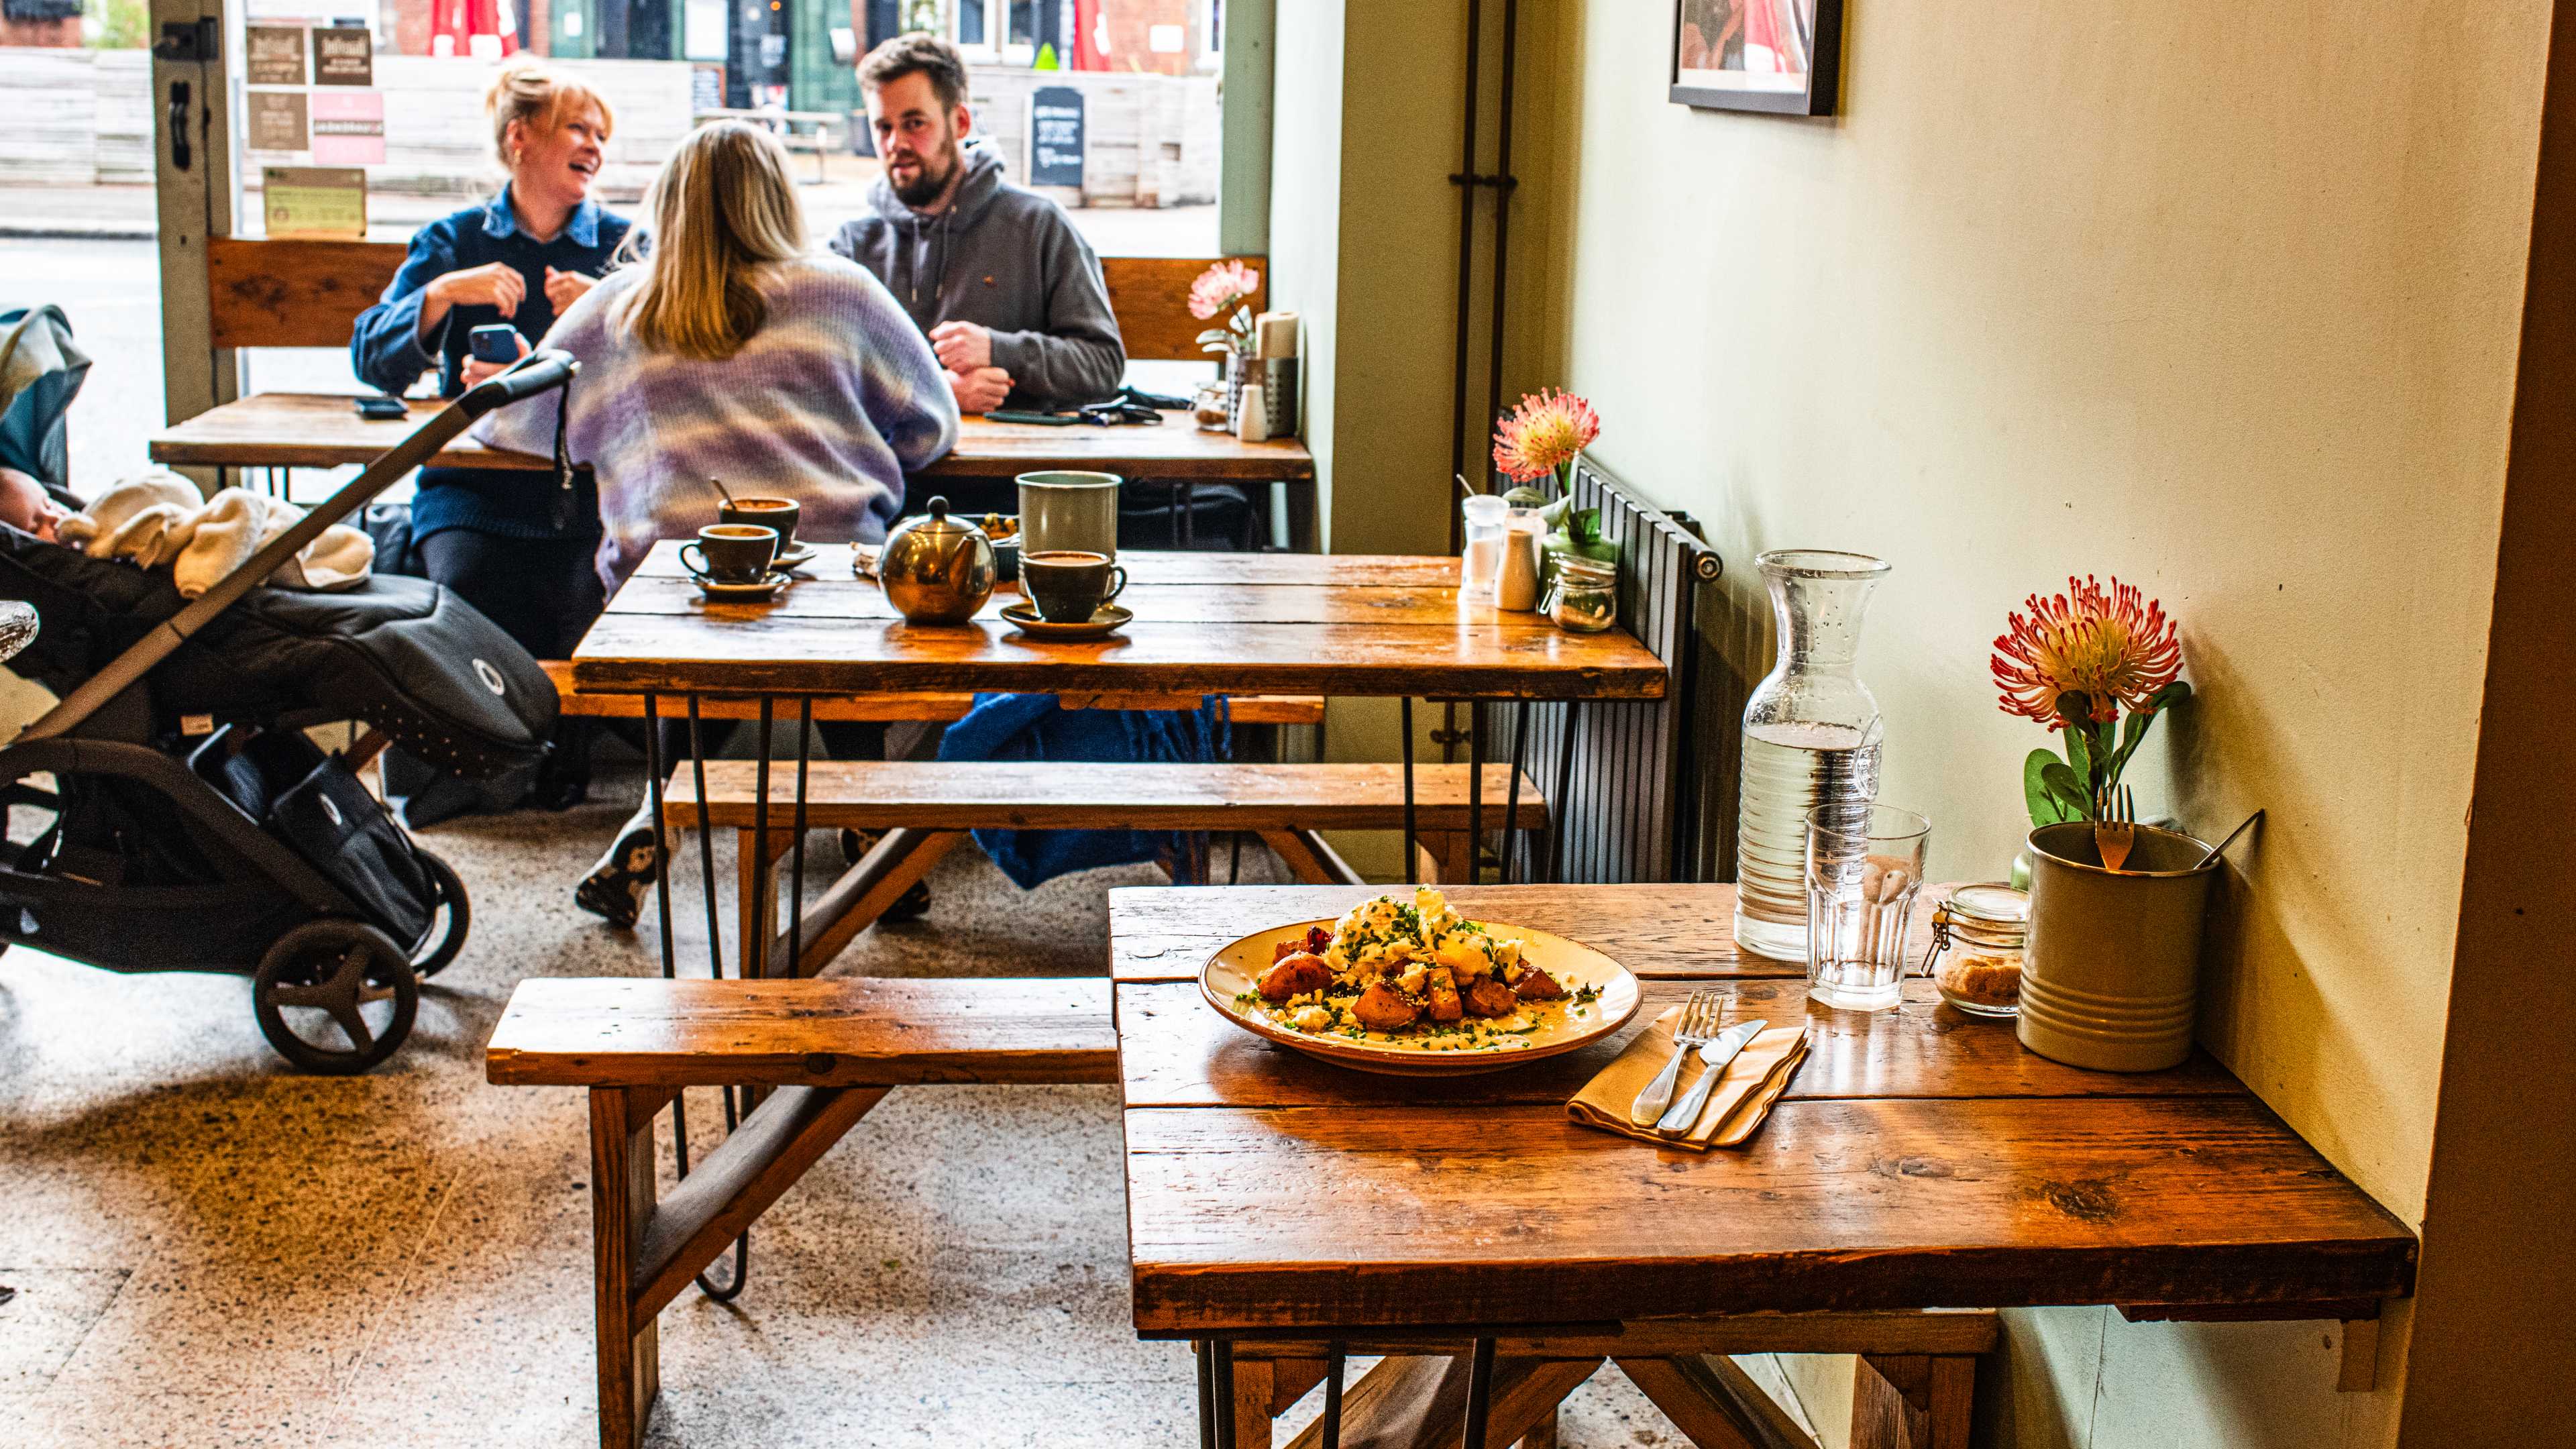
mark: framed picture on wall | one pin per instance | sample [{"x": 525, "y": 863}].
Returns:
[{"x": 1781, "y": 56}]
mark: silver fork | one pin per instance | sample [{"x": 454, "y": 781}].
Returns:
[
  {"x": 1697, "y": 1024},
  {"x": 2116, "y": 829}
]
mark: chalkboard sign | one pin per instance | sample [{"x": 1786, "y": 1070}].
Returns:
[{"x": 1055, "y": 137}]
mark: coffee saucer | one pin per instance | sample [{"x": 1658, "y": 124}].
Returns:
[
  {"x": 754, "y": 593},
  {"x": 795, "y": 556},
  {"x": 1024, "y": 617}
]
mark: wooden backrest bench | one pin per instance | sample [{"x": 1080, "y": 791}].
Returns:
[
  {"x": 827, "y": 1051},
  {"x": 283, "y": 292},
  {"x": 927, "y": 808}
]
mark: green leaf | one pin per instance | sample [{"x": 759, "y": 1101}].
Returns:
[
  {"x": 2079, "y": 752},
  {"x": 2167, "y": 697},
  {"x": 2044, "y": 809},
  {"x": 2068, "y": 790}
]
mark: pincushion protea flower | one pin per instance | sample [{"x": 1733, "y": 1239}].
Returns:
[
  {"x": 1226, "y": 286},
  {"x": 1544, "y": 435},
  {"x": 2074, "y": 663}
]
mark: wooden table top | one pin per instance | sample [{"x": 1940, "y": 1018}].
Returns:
[
  {"x": 1919, "y": 1159},
  {"x": 323, "y": 430},
  {"x": 1205, "y": 623}
]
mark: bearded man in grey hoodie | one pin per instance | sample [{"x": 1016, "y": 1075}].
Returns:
[{"x": 1009, "y": 293}]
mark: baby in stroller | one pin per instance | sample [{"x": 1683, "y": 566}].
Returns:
[{"x": 189, "y": 823}]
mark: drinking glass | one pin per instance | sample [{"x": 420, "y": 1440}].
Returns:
[{"x": 1864, "y": 868}]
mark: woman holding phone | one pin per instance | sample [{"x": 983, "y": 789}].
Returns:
[
  {"x": 520, "y": 555},
  {"x": 519, "y": 261}
]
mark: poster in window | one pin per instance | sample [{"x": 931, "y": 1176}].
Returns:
[
  {"x": 273, "y": 55},
  {"x": 315, "y": 201},
  {"x": 349, "y": 128},
  {"x": 1782, "y": 56},
  {"x": 344, "y": 55},
  {"x": 277, "y": 119}
]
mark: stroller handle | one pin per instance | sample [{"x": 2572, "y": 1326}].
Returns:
[
  {"x": 533, "y": 374},
  {"x": 536, "y": 373}
]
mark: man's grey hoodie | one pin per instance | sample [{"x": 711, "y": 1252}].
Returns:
[{"x": 1008, "y": 260}]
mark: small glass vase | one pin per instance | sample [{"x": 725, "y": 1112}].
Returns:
[{"x": 1811, "y": 740}]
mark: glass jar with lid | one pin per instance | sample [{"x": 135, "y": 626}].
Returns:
[
  {"x": 1583, "y": 598},
  {"x": 1979, "y": 936}
]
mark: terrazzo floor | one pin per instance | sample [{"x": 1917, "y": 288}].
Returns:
[{"x": 209, "y": 1250}]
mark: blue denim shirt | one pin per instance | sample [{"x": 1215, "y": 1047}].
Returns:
[{"x": 386, "y": 349}]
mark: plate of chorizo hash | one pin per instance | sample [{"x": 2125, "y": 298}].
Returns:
[{"x": 1415, "y": 989}]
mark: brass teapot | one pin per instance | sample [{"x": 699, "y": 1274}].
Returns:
[{"x": 936, "y": 569}]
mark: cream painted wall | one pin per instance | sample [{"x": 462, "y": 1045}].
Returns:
[{"x": 2220, "y": 298}]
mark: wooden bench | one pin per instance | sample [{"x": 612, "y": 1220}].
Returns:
[
  {"x": 1913, "y": 1387},
  {"x": 824, "y": 1052},
  {"x": 282, "y": 292},
  {"x": 927, "y": 808},
  {"x": 940, "y": 708}
]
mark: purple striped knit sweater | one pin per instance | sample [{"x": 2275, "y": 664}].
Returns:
[{"x": 835, "y": 399}]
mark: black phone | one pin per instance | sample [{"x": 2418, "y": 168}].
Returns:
[
  {"x": 494, "y": 342},
  {"x": 383, "y": 409},
  {"x": 1044, "y": 420}
]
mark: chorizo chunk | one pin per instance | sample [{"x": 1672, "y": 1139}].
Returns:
[
  {"x": 1442, "y": 993},
  {"x": 1491, "y": 998},
  {"x": 1537, "y": 985},
  {"x": 1383, "y": 1008},
  {"x": 1295, "y": 976}
]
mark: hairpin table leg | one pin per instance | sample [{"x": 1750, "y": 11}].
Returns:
[
  {"x": 1480, "y": 1392},
  {"x": 1412, "y": 871},
  {"x": 1513, "y": 836},
  {"x": 1334, "y": 1362}
]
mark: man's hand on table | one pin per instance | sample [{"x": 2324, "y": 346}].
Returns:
[
  {"x": 981, "y": 390},
  {"x": 962, "y": 346}
]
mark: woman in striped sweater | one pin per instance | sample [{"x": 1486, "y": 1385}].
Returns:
[{"x": 733, "y": 351}]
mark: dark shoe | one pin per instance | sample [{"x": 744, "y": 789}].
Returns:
[
  {"x": 614, "y": 889},
  {"x": 913, "y": 904}
]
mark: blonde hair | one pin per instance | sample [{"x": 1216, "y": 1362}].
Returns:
[
  {"x": 723, "y": 207},
  {"x": 532, "y": 93}
]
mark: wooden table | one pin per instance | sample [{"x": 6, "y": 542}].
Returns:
[
  {"x": 1206, "y": 623},
  {"x": 1919, "y": 1160},
  {"x": 316, "y": 430}
]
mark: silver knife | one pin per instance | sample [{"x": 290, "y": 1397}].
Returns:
[{"x": 1720, "y": 1050}]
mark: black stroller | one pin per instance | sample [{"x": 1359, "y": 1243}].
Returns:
[{"x": 191, "y": 825}]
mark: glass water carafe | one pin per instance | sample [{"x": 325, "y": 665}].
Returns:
[{"x": 1811, "y": 738}]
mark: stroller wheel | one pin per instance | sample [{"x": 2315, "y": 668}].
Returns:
[
  {"x": 449, "y": 938},
  {"x": 335, "y": 996}
]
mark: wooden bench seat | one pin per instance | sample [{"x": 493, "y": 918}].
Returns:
[
  {"x": 824, "y": 1051},
  {"x": 939, "y": 708},
  {"x": 927, "y": 808}
]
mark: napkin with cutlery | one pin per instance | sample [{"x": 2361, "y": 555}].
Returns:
[{"x": 1742, "y": 1097}]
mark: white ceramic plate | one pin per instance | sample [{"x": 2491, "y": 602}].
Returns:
[{"x": 1236, "y": 968}]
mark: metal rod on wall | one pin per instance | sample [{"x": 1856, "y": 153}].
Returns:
[
  {"x": 1504, "y": 181},
  {"x": 1466, "y": 181}
]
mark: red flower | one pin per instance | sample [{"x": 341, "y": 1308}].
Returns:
[
  {"x": 2113, "y": 646},
  {"x": 1544, "y": 434}
]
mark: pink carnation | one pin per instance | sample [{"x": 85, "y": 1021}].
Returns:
[{"x": 1221, "y": 288}]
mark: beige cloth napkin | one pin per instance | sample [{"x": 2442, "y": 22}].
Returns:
[{"x": 1753, "y": 1081}]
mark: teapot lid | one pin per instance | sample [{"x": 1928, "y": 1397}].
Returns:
[{"x": 938, "y": 523}]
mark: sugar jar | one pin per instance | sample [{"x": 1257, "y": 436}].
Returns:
[{"x": 1979, "y": 936}]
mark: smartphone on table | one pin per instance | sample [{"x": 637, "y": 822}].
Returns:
[{"x": 384, "y": 408}]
